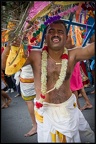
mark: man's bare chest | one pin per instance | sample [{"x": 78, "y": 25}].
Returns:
[{"x": 53, "y": 71}]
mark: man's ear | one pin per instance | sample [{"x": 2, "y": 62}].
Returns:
[{"x": 45, "y": 37}]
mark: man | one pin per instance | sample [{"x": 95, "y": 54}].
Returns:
[
  {"x": 57, "y": 114},
  {"x": 26, "y": 79}
]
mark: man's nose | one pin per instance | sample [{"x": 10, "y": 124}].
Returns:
[{"x": 56, "y": 33}]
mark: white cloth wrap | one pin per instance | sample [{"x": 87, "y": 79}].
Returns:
[
  {"x": 64, "y": 118},
  {"x": 26, "y": 72},
  {"x": 27, "y": 89}
]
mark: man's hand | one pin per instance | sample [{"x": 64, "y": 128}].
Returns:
[{"x": 16, "y": 42}]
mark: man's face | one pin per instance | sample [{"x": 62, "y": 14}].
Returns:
[{"x": 56, "y": 36}]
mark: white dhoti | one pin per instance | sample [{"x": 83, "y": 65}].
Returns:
[
  {"x": 62, "y": 123},
  {"x": 27, "y": 83},
  {"x": 27, "y": 91}
]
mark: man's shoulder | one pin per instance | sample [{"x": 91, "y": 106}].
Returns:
[
  {"x": 34, "y": 53},
  {"x": 75, "y": 49}
]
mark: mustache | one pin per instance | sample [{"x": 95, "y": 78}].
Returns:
[{"x": 56, "y": 37}]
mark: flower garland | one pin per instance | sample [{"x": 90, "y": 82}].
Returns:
[
  {"x": 62, "y": 74},
  {"x": 50, "y": 20}
]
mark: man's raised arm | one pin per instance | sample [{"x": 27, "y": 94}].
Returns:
[
  {"x": 4, "y": 56},
  {"x": 87, "y": 52}
]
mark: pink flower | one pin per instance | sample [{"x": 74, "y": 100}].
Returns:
[
  {"x": 32, "y": 39},
  {"x": 38, "y": 105},
  {"x": 29, "y": 48},
  {"x": 64, "y": 56}
]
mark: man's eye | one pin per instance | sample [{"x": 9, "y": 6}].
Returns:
[
  {"x": 61, "y": 32},
  {"x": 51, "y": 31}
]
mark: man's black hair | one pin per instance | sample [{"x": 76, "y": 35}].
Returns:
[{"x": 57, "y": 22}]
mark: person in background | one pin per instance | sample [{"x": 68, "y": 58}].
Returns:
[
  {"x": 10, "y": 83},
  {"x": 17, "y": 86},
  {"x": 26, "y": 79},
  {"x": 76, "y": 83},
  {"x": 84, "y": 74},
  {"x": 22, "y": 76},
  {"x": 92, "y": 68},
  {"x": 4, "y": 96}
]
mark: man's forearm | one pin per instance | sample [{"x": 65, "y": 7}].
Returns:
[{"x": 4, "y": 56}]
